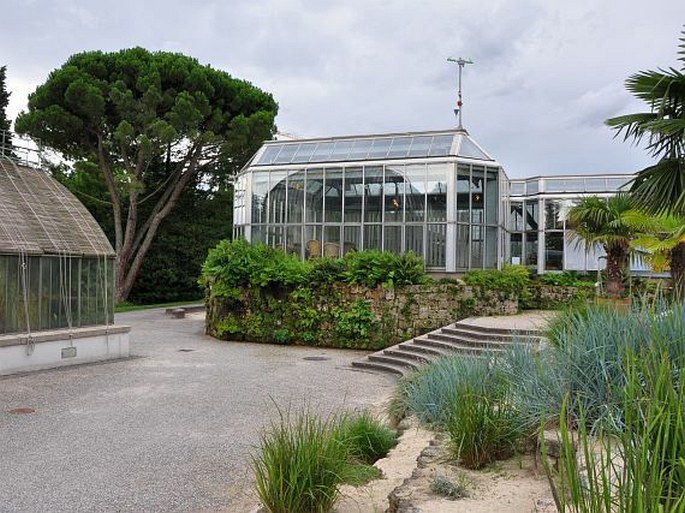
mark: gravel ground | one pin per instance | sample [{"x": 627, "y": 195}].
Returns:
[{"x": 168, "y": 430}]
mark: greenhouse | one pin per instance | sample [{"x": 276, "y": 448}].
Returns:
[
  {"x": 438, "y": 194},
  {"x": 56, "y": 276}
]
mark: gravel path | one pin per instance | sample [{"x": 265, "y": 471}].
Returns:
[{"x": 168, "y": 430}]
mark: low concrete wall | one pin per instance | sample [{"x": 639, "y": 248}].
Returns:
[{"x": 49, "y": 349}]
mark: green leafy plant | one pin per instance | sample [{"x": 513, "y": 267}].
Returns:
[
  {"x": 512, "y": 280},
  {"x": 354, "y": 323},
  {"x": 566, "y": 279}
]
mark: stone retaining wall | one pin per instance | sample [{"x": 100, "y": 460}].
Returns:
[{"x": 350, "y": 316}]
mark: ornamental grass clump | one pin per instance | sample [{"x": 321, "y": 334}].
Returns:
[
  {"x": 300, "y": 465},
  {"x": 483, "y": 425},
  {"x": 303, "y": 459},
  {"x": 639, "y": 464},
  {"x": 431, "y": 391},
  {"x": 366, "y": 438}
]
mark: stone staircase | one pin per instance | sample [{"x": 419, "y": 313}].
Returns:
[{"x": 461, "y": 337}]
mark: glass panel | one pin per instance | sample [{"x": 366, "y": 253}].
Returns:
[
  {"x": 295, "y": 208},
  {"x": 287, "y": 153},
  {"x": 313, "y": 246},
  {"x": 436, "y": 186},
  {"x": 531, "y": 256},
  {"x": 554, "y": 251},
  {"x": 595, "y": 184},
  {"x": 373, "y": 194},
  {"x": 463, "y": 192},
  {"x": 293, "y": 240},
  {"x": 270, "y": 154},
  {"x": 492, "y": 198},
  {"x": 334, "y": 195},
  {"x": 360, "y": 149},
  {"x": 414, "y": 239},
  {"x": 462, "y": 246},
  {"x": 393, "y": 190},
  {"x": 532, "y": 187},
  {"x": 352, "y": 239},
  {"x": 516, "y": 218},
  {"x": 322, "y": 152},
  {"x": 400, "y": 147},
  {"x": 379, "y": 148},
  {"x": 260, "y": 187},
  {"x": 477, "y": 246},
  {"x": 554, "y": 218},
  {"x": 468, "y": 148},
  {"x": 531, "y": 215},
  {"x": 276, "y": 197},
  {"x": 314, "y": 195},
  {"x": 420, "y": 146},
  {"x": 614, "y": 184},
  {"x": 304, "y": 152},
  {"x": 435, "y": 246},
  {"x": 415, "y": 192},
  {"x": 477, "y": 195},
  {"x": 518, "y": 188},
  {"x": 491, "y": 247},
  {"x": 331, "y": 246},
  {"x": 274, "y": 237},
  {"x": 393, "y": 239},
  {"x": 372, "y": 236},
  {"x": 341, "y": 150},
  {"x": 354, "y": 194},
  {"x": 516, "y": 248},
  {"x": 258, "y": 235},
  {"x": 3, "y": 294},
  {"x": 441, "y": 145}
]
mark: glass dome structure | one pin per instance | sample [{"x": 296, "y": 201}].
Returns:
[{"x": 438, "y": 194}]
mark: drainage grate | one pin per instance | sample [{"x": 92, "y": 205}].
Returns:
[
  {"x": 316, "y": 358},
  {"x": 21, "y": 411},
  {"x": 185, "y": 350}
]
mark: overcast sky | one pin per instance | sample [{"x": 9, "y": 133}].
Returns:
[{"x": 547, "y": 73}]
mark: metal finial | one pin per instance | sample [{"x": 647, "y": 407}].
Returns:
[{"x": 461, "y": 62}]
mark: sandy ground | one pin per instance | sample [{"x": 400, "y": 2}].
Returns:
[{"x": 513, "y": 486}]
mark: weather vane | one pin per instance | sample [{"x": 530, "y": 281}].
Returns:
[{"x": 461, "y": 62}]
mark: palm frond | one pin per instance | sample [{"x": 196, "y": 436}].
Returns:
[{"x": 660, "y": 189}]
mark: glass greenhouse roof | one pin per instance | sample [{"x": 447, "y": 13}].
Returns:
[{"x": 456, "y": 143}]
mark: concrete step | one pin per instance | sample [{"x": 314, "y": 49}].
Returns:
[
  {"x": 459, "y": 337},
  {"x": 392, "y": 360},
  {"x": 432, "y": 352},
  {"x": 471, "y": 342},
  {"x": 402, "y": 353},
  {"x": 455, "y": 346},
  {"x": 468, "y": 332},
  {"x": 365, "y": 363},
  {"x": 493, "y": 331}
]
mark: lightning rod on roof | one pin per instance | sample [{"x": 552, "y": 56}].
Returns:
[{"x": 461, "y": 62}]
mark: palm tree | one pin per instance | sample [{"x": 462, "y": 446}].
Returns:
[
  {"x": 595, "y": 221},
  {"x": 663, "y": 240},
  {"x": 659, "y": 188}
]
